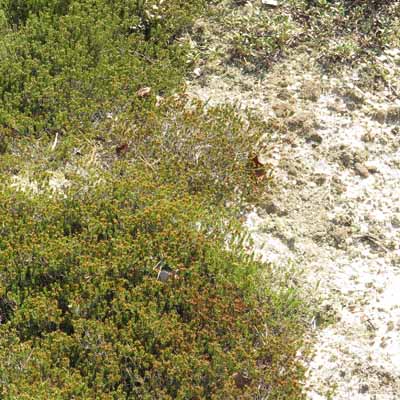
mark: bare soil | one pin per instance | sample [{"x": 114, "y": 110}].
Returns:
[{"x": 335, "y": 211}]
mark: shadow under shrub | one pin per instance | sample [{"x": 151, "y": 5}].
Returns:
[{"x": 92, "y": 319}]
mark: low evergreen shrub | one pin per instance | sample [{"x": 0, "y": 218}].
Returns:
[
  {"x": 207, "y": 150},
  {"x": 66, "y": 64},
  {"x": 85, "y": 313},
  {"x": 128, "y": 282}
]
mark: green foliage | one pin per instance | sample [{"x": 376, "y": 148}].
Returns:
[
  {"x": 89, "y": 318},
  {"x": 254, "y": 36},
  {"x": 71, "y": 62},
  {"x": 18, "y": 11},
  {"x": 347, "y": 31},
  {"x": 129, "y": 281},
  {"x": 206, "y": 150},
  {"x": 258, "y": 37}
]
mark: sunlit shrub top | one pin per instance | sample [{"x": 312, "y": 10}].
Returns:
[
  {"x": 84, "y": 310},
  {"x": 72, "y": 62}
]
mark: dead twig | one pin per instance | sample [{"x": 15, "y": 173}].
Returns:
[
  {"x": 53, "y": 147},
  {"x": 374, "y": 240}
]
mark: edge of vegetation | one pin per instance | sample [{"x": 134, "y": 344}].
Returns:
[{"x": 122, "y": 270}]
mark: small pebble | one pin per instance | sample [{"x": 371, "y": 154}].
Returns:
[
  {"x": 372, "y": 169},
  {"x": 396, "y": 221},
  {"x": 364, "y": 388},
  {"x": 361, "y": 170},
  {"x": 320, "y": 179},
  {"x": 346, "y": 158},
  {"x": 292, "y": 171},
  {"x": 368, "y": 137},
  {"x": 314, "y": 137},
  {"x": 272, "y": 207}
]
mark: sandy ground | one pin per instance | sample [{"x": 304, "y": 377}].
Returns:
[{"x": 335, "y": 213}]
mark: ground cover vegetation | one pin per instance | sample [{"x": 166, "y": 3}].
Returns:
[
  {"x": 335, "y": 33},
  {"x": 122, "y": 269},
  {"x": 122, "y": 272}
]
